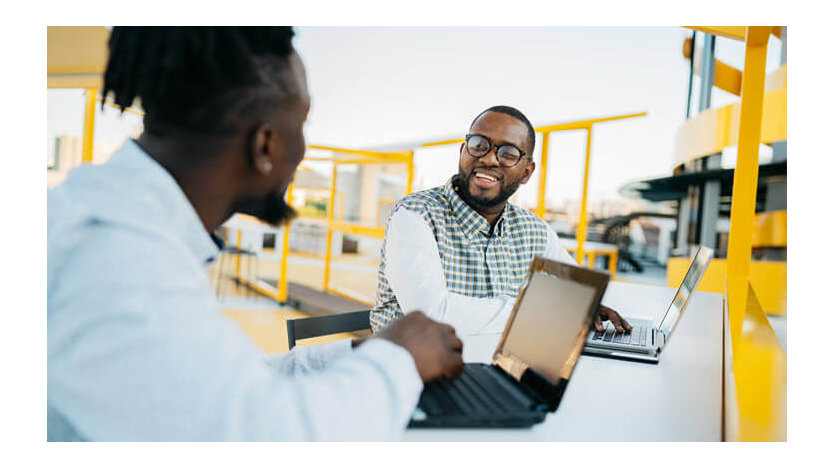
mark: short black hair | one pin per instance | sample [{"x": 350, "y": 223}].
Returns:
[
  {"x": 198, "y": 79},
  {"x": 510, "y": 111}
]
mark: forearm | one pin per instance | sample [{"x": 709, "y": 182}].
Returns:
[
  {"x": 302, "y": 359},
  {"x": 472, "y": 315}
]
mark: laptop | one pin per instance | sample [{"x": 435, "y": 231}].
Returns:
[
  {"x": 533, "y": 361},
  {"x": 648, "y": 337}
]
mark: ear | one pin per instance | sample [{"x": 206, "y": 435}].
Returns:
[
  {"x": 529, "y": 168},
  {"x": 263, "y": 143}
]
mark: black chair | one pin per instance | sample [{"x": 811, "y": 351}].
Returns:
[{"x": 301, "y": 328}]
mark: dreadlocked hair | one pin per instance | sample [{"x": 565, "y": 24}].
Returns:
[{"x": 198, "y": 79}]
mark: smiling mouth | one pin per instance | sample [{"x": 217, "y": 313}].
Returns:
[{"x": 485, "y": 178}]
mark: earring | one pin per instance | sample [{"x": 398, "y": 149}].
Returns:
[{"x": 267, "y": 166}]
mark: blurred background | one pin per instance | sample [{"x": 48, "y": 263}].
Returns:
[{"x": 390, "y": 105}]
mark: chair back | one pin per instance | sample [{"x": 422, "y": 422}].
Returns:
[{"x": 301, "y": 328}]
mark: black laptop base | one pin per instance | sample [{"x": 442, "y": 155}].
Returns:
[{"x": 483, "y": 397}]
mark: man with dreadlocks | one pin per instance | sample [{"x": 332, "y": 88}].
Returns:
[{"x": 137, "y": 347}]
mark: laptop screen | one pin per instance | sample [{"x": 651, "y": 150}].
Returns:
[
  {"x": 693, "y": 276},
  {"x": 544, "y": 330}
]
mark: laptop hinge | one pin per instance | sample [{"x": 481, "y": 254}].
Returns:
[
  {"x": 660, "y": 339},
  {"x": 536, "y": 385},
  {"x": 543, "y": 390}
]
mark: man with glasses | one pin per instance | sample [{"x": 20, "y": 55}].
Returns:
[{"x": 460, "y": 251}]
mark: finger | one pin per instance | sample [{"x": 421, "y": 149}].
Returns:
[
  {"x": 598, "y": 323},
  {"x": 457, "y": 345},
  {"x": 455, "y": 368},
  {"x": 625, "y": 323},
  {"x": 615, "y": 320}
]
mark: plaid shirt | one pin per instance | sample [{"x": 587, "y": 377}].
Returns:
[{"x": 474, "y": 263}]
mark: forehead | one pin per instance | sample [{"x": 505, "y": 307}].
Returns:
[{"x": 501, "y": 129}]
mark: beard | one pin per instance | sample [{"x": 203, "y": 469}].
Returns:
[
  {"x": 271, "y": 209},
  {"x": 461, "y": 183}
]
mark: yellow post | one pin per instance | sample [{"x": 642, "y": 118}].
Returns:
[
  {"x": 237, "y": 256},
  {"x": 582, "y": 230},
  {"x": 410, "y": 170},
  {"x": 745, "y": 179},
  {"x": 330, "y": 203},
  {"x": 285, "y": 253},
  {"x": 88, "y": 132},
  {"x": 540, "y": 207}
]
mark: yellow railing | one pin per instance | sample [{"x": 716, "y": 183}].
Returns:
[
  {"x": 756, "y": 371},
  {"x": 342, "y": 157},
  {"x": 768, "y": 278},
  {"x": 754, "y": 399}
]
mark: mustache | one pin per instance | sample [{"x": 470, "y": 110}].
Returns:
[{"x": 461, "y": 184}]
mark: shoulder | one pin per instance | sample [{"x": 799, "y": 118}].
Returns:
[
  {"x": 89, "y": 255},
  {"x": 431, "y": 204},
  {"x": 423, "y": 201},
  {"x": 519, "y": 217}
]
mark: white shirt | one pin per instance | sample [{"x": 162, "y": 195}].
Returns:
[
  {"x": 415, "y": 274},
  {"x": 139, "y": 350}
]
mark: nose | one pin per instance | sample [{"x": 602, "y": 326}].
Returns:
[{"x": 491, "y": 161}]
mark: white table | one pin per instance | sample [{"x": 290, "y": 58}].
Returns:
[{"x": 678, "y": 399}]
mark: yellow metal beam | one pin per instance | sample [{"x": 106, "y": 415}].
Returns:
[
  {"x": 768, "y": 278},
  {"x": 357, "y": 161},
  {"x": 285, "y": 253},
  {"x": 756, "y": 371},
  {"x": 330, "y": 222},
  {"x": 540, "y": 204},
  {"x": 584, "y": 124},
  {"x": 771, "y": 229},
  {"x": 443, "y": 142},
  {"x": 727, "y": 78},
  {"x": 89, "y": 125},
  {"x": 74, "y": 81},
  {"x": 399, "y": 155},
  {"x": 361, "y": 230},
  {"x": 713, "y": 130},
  {"x": 582, "y": 230},
  {"x": 731, "y": 32},
  {"x": 409, "y": 179},
  {"x": 742, "y": 213},
  {"x": 237, "y": 256}
]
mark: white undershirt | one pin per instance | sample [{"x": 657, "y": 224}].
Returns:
[{"x": 415, "y": 274}]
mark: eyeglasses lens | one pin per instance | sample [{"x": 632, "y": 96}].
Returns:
[
  {"x": 478, "y": 146},
  {"x": 508, "y": 155}
]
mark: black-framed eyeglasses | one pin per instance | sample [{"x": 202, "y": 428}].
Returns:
[{"x": 478, "y": 146}]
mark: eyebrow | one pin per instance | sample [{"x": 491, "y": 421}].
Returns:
[{"x": 520, "y": 147}]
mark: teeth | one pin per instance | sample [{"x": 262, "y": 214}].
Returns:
[{"x": 486, "y": 177}]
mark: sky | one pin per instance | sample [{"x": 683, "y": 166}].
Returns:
[{"x": 375, "y": 87}]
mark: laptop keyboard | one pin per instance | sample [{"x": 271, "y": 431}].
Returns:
[
  {"x": 477, "y": 391},
  {"x": 636, "y": 337}
]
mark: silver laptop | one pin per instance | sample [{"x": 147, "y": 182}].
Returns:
[{"x": 648, "y": 337}]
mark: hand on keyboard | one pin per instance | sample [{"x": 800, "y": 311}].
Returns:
[
  {"x": 434, "y": 346},
  {"x": 605, "y": 313}
]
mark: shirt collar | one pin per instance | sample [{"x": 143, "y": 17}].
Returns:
[
  {"x": 469, "y": 219},
  {"x": 161, "y": 201}
]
